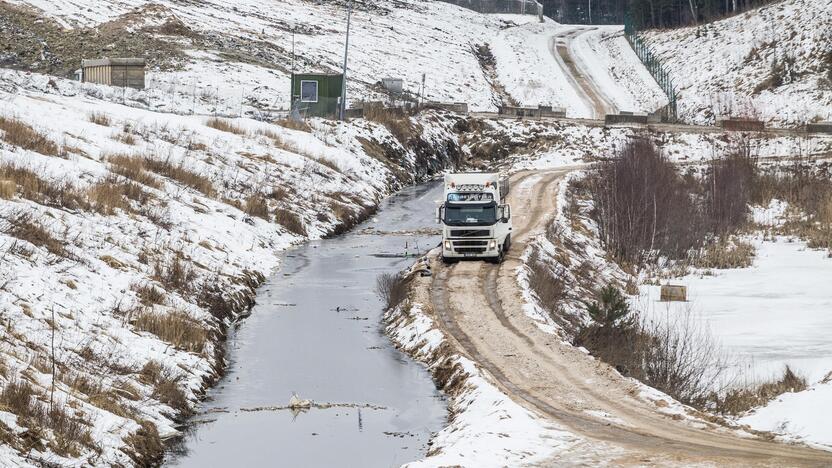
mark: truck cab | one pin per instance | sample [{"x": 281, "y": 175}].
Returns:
[{"x": 476, "y": 221}]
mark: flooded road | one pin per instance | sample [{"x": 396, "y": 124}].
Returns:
[{"x": 316, "y": 331}]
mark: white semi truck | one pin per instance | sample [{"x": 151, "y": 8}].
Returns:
[{"x": 476, "y": 221}]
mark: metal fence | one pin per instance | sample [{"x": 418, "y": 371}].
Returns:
[
  {"x": 655, "y": 67},
  {"x": 514, "y": 7}
]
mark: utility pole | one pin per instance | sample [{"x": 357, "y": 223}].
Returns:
[{"x": 346, "y": 55}]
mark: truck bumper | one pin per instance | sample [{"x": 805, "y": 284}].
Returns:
[{"x": 470, "y": 248}]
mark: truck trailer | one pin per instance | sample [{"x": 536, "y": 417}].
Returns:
[{"x": 476, "y": 221}]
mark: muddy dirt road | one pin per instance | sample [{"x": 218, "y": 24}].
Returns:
[{"x": 480, "y": 308}]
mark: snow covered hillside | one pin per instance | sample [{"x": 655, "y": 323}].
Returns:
[
  {"x": 210, "y": 57},
  {"x": 241, "y": 55},
  {"x": 128, "y": 241},
  {"x": 773, "y": 63}
]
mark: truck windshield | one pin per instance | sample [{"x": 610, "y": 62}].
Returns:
[{"x": 471, "y": 215}]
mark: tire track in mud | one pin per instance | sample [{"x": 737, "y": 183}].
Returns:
[{"x": 644, "y": 432}]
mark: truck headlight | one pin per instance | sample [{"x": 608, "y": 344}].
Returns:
[
  {"x": 493, "y": 244},
  {"x": 447, "y": 245}
]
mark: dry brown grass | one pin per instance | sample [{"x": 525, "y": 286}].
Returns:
[
  {"x": 144, "y": 446},
  {"x": 294, "y": 125},
  {"x": 7, "y": 189},
  {"x": 181, "y": 174},
  {"x": 290, "y": 220},
  {"x": 138, "y": 168},
  {"x": 225, "y": 126},
  {"x": 174, "y": 275},
  {"x": 68, "y": 433},
  {"x": 725, "y": 254},
  {"x": 740, "y": 400},
  {"x": 176, "y": 328},
  {"x": 114, "y": 193},
  {"x": 33, "y": 187},
  {"x": 100, "y": 118},
  {"x": 279, "y": 193},
  {"x": 126, "y": 138},
  {"x": 148, "y": 294},
  {"x": 19, "y": 133},
  {"x": 256, "y": 206},
  {"x": 22, "y": 227},
  {"x": 396, "y": 122},
  {"x": 133, "y": 168},
  {"x": 165, "y": 386}
]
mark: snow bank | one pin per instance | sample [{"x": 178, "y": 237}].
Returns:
[{"x": 487, "y": 428}]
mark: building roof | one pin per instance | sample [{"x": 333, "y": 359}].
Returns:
[{"x": 136, "y": 62}]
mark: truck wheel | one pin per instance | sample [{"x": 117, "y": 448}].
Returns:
[{"x": 507, "y": 243}]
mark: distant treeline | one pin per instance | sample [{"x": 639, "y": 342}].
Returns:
[{"x": 646, "y": 13}]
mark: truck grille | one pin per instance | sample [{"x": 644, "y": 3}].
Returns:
[
  {"x": 470, "y": 233},
  {"x": 469, "y": 246}
]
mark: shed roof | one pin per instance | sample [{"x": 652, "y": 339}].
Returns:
[{"x": 136, "y": 62}]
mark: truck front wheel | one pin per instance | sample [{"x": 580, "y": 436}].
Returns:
[{"x": 507, "y": 243}]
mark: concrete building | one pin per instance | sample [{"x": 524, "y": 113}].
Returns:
[{"x": 123, "y": 72}]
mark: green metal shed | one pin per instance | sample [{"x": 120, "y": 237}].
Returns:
[{"x": 317, "y": 94}]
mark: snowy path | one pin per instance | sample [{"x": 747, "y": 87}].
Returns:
[
  {"x": 582, "y": 81},
  {"x": 561, "y": 383}
]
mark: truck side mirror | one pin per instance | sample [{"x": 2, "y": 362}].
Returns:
[{"x": 506, "y": 214}]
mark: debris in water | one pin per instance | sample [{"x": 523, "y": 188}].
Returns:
[
  {"x": 295, "y": 402},
  {"x": 312, "y": 404}
]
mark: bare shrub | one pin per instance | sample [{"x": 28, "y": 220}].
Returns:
[
  {"x": 677, "y": 356},
  {"x": 22, "y": 227},
  {"x": 550, "y": 287},
  {"x": 256, "y": 206},
  {"x": 294, "y": 125},
  {"x": 736, "y": 401},
  {"x": 392, "y": 289},
  {"x": 225, "y": 126},
  {"x": 19, "y": 133},
  {"x": 290, "y": 220},
  {"x": 100, "y": 118},
  {"x": 729, "y": 186},
  {"x": 809, "y": 192},
  {"x": 176, "y": 328},
  {"x": 643, "y": 205}
]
